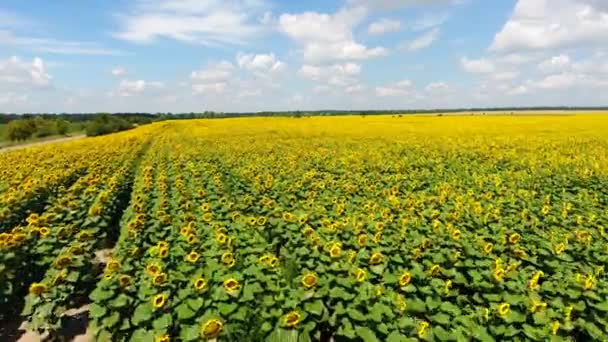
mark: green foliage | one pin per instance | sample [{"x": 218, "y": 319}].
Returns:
[{"x": 106, "y": 124}]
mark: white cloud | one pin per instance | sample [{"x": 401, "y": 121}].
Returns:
[
  {"x": 401, "y": 88},
  {"x": 558, "y": 81},
  {"x": 519, "y": 90},
  {"x": 12, "y": 98},
  {"x": 217, "y": 72},
  {"x": 556, "y": 63},
  {"x": 207, "y": 88},
  {"x": 477, "y": 66},
  {"x": 547, "y": 24},
  {"x": 118, "y": 72},
  {"x": 428, "y": 21},
  {"x": 17, "y": 72},
  {"x": 342, "y": 75},
  {"x": 396, "y": 4},
  {"x": 383, "y": 26},
  {"x": 423, "y": 41},
  {"x": 328, "y": 37},
  {"x": 208, "y": 22},
  {"x": 128, "y": 88},
  {"x": 260, "y": 62},
  {"x": 437, "y": 88},
  {"x": 505, "y": 75}
]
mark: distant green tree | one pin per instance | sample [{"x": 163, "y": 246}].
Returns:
[
  {"x": 18, "y": 130},
  {"x": 62, "y": 127}
]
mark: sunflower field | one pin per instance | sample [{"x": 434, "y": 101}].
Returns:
[{"x": 381, "y": 228}]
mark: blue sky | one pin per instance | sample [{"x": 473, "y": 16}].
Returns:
[{"x": 252, "y": 55}]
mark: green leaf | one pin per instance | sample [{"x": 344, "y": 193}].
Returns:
[
  {"x": 356, "y": 314},
  {"x": 120, "y": 301},
  {"x": 338, "y": 292},
  {"x": 395, "y": 336},
  {"x": 184, "y": 312},
  {"x": 346, "y": 329},
  {"x": 226, "y": 308},
  {"x": 142, "y": 335},
  {"x": 283, "y": 335},
  {"x": 366, "y": 334},
  {"x": 163, "y": 322},
  {"x": 142, "y": 313},
  {"x": 97, "y": 311},
  {"x": 195, "y": 303},
  {"x": 99, "y": 295},
  {"x": 190, "y": 333},
  {"x": 441, "y": 334},
  {"x": 441, "y": 318},
  {"x": 111, "y": 320},
  {"x": 315, "y": 308}
]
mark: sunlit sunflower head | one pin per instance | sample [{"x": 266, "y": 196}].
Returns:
[
  {"x": 302, "y": 219},
  {"x": 159, "y": 301},
  {"x": 487, "y": 248},
  {"x": 191, "y": 238},
  {"x": 335, "y": 251},
  {"x": 287, "y": 216},
  {"x": 423, "y": 329},
  {"x": 560, "y": 248},
  {"x": 379, "y": 226},
  {"x": 211, "y": 329},
  {"x": 206, "y": 207},
  {"x": 193, "y": 257},
  {"x": 292, "y": 319},
  {"x": 228, "y": 259},
  {"x": 221, "y": 238},
  {"x": 252, "y": 221},
  {"x": 162, "y": 244},
  {"x": 456, "y": 234},
  {"x": 231, "y": 285},
  {"x": 405, "y": 279},
  {"x": 376, "y": 258},
  {"x": 499, "y": 274},
  {"x": 153, "y": 269},
  {"x": 207, "y": 217},
  {"x": 309, "y": 280},
  {"x": 44, "y": 231},
  {"x": 265, "y": 259},
  {"x": 63, "y": 261},
  {"x": 360, "y": 275},
  {"x": 160, "y": 279},
  {"x": 504, "y": 309},
  {"x": 200, "y": 284},
  {"x": 37, "y": 289},
  {"x": 163, "y": 252},
  {"x": 520, "y": 253},
  {"x": 273, "y": 262},
  {"x": 261, "y": 221},
  {"x": 514, "y": 238},
  {"x": 163, "y": 338},
  {"x": 362, "y": 240},
  {"x": 435, "y": 270}
]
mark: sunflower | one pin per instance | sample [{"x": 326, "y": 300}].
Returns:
[
  {"x": 251, "y": 221},
  {"x": 191, "y": 238},
  {"x": 379, "y": 226},
  {"x": 153, "y": 269},
  {"x": 125, "y": 280},
  {"x": 59, "y": 278},
  {"x": 405, "y": 279},
  {"x": 514, "y": 238},
  {"x": 261, "y": 221},
  {"x": 308, "y": 231},
  {"x": 456, "y": 234},
  {"x": 487, "y": 248},
  {"x": 423, "y": 329},
  {"x": 207, "y": 217},
  {"x": 160, "y": 279},
  {"x": 273, "y": 262},
  {"x": 63, "y": 261},
  {"x": 37, "y": 289},
  {"x": 206, "y": 207},
  {"x": 426, "y": 244},
  {"x": 499, "y": 274},
  {"x": 159, "y": 301},
  {"x": 163, "y": 338},
  {"x": 231, "y": 285},
  {"x": 302, "y": 219},
  {"x": 193, "y": 257},
  {"x": 520, "y": 253},
  {"x": 163, "y": 252},
  {"x": 335, "y": 251},
  {"x": 435, "y": 270},
  {"x": 555, "y": 327},
  {"x": 113, "y": 266},
  {"x": 265, "y": 259},
  {"x": 309, "y": 280},
  {"x": 559, "y": 248},
  {"x": 228, "y": 259},
  {"x": 504, "y": 309},
  {"x": 360, "y": 275},
  {"x": 376, "y": 258},
  {"x": 287, "y": 216},
  {"x": 292, "y": 319},
  {"x": 44, "y": 231},
  {"x": 211, "y": 329},
  {"x": 589, "y": 282},
  {"x": 362, "y": 240},
  {"x": 221, "y": 238},
  {"x": 200, "y": 284}
]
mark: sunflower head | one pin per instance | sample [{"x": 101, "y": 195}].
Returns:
[
  {"x": 405, "y": 279},
  {"x": 287, "y": 216},
  {"x": 309, "y": 280},
  {"x": 153, "y": 269},
  {"x": 514, "y": 238},
  {"x": 559, "y": 248},
  {"x": 360, "y": 275},
  {"x": 44, "y": 231},
  {"x": 335, "y": 251},
  {"x": 228, "y": 259},
  {"x": 231, "y": 285},
  {"x": 261, "y": 221},
  {"x": 63, "y": 261},
  {"x": 504, "y": 309},
  {"x": 192, "y": 257},
  {"x": 200, "y": 284},
  {"x": 308, "y": 231},
  {"x": 125, "y": 280},
  {"x": 160, "y": 279},
  {"x": 435, "y": 270},
  {"x": 456, "y": 234},
  {"x": 362, "y": 240},
  {"x": 207, "y": 217},
  {"x": 163, "y": 338},
  {"x": 292, "y": 319},
  {"x": 221, "y": 238},
  {"x": 159, "y": 301},
  {"x": 423, "y": 329},
  {"x": 499, "y": 274},
  {"x": 376, "y": 258},
  {"x": 211, "y": 329},
  {"x": 191, "y": 238},
  {"x": 163, "y": 252},
  {"x": 206, "y": 207},
  {"x": 37, "y": 289},
  {"x": 487, "y": 248}
]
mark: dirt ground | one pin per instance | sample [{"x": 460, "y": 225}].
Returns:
[{"x": 37, "y": 143}]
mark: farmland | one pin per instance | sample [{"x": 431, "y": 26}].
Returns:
[{"x": 378, "y": 228}]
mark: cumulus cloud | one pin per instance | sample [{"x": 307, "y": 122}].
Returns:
[
  {"x": 396, "y": 4},
  {"x": 383, "y": 26},
  {"x": 208, "y": 22},
  {"x": 552, "y": 24},
  {"x": 12, "y": 98},
  {"x": 342, "y": 75},
  {"x": 402, "y": 88},
  {"x": 28, "y": 74},
  {"x": 556, "y": 63},
  {"x": 128, "y": 88},
  {"x": 216, "y": 72},
  {"x": 324, "y": 37},
  {"x": 260, "y": 62},
  {"x": 118, "y": 72}
]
